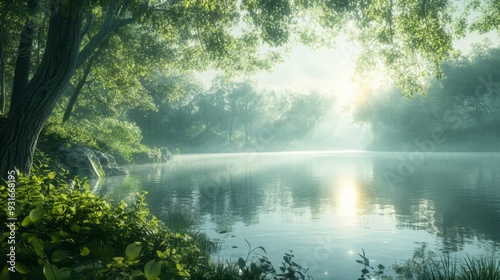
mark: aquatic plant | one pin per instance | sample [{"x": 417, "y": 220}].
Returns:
[
  {"x": 428, "y": 265},
  {"x": 366, "y": 273}
]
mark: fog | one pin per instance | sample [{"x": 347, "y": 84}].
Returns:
[{"x": 458, "y": 113}]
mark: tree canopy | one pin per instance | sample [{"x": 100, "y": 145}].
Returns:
[{"x": 464, "y": 106}]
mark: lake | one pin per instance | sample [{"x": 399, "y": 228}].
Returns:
[{"x": 328, "y": 206}]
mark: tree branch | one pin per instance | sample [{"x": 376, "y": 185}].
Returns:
[
  {"x": 78, "y": 89},
  {"x": 87, "y": 25}
]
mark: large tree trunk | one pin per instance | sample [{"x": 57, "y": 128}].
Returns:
[
  {"x": 2, "y": 76},
  {"x": 23, "y": 63},
  {"x": 30, "y": 111},
  {"x": 22, "y": 71}
]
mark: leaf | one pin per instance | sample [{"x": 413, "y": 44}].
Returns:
[
  {"x": 152, "y": 269},
  {"x": 84, "y": 252},
  {"x": 253, "y": 268},
  {"x": 381, "y": 267},
  {"x": 122, "y": 205},
  {"x": 21, "y": 268},
  {"x": 241, "y": 263},
  {"x": 365, "y": 271},
  {"x": 262, "y": 248},
  {"x": 366, "y": 261},
  {"x": 4, "y": 274},
  {"x": 36, "y": 214},
  {"x": 50, "y": 271},
  {"x": 136, "y": 273},
  {"x": 59, "y": 255},
  {"x": 26, "y": 222},
  {"x": 133, "y": 250},
  {"x": 51, "y": 175},
  {"x": 160, "y": 254},
  {"x": 179, "y": 267},
  {"x": 64, "y": 273},
  {"x": 37, "y": 246}
]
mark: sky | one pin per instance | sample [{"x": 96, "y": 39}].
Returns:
[{"x": 326, "y": 70}]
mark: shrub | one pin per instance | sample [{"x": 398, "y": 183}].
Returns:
[{"x": 64, "y": 231}]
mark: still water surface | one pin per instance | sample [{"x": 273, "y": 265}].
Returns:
[{"x": 327, "y": 206}]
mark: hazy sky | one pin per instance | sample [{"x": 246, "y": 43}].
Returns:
[{"x": 326, "y": 70}]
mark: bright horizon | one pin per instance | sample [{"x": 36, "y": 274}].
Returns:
[{"x": 329, "y": 71}]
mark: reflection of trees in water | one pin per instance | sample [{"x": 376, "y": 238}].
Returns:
[
  {"x": 238, "y": 191},
  {"x": 455, "y": 198}
]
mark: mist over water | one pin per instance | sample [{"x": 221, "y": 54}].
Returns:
[{"x": 327, "y": 206}]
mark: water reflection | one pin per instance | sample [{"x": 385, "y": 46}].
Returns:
[
  {"x": 347, "y": 198},
  {"x": 454, "y": 196}
]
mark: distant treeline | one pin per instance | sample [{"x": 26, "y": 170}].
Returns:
[
  {"x": 174, "y": 110},
  {"x": 229, "y": 116},
  {"x": 460, "y": 112}
]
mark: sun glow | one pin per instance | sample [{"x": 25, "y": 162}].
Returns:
[
  {"x": 328, "y": 71},
  {"x": 347, "y": 199}
]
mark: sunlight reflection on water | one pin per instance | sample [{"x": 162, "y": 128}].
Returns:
[{"x": 327, "y": 206}]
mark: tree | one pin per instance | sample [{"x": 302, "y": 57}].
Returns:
[
  {"x": 197, "y": 33},
  {"x": 464, "y": 106},
  {"x": 171, "y": 93},
  {"x": 31, "y": 106},
  {"x": 221, "y": 34},
  {"x": 245, "y": 104}
]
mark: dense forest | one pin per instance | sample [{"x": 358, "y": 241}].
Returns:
[{"x": 177, "y": 112}]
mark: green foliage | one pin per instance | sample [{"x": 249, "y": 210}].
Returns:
[
  {"x": 120, "y": 138},
  {"x": 428, "y": 265},
  {"x": 366, "y": 273},
  {"x": 463, "y": 106},
  {"x": 255, "y": 266},
  {"x": 228, "y": 116},
  {"x": 488, "y": 19},
  {"x": 66, "y": 232}
]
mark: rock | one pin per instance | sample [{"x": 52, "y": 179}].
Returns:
[
  {"x": 105, "y": 159},
  {"x": 166, "y": 155},
  {"x": 86, "y": 162},
  {"x": 115, "y": 171}
]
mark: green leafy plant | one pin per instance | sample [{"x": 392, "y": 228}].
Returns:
[
  {"x": 64, "y": 231},
  {"x": 255, "y": 265},
  {"x": 365, "y": 272},
  {"x": 258, "y": 266},
  {"x": 291, "y": 270},
  {"x": 428, "y": 265}
]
